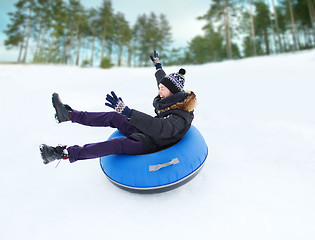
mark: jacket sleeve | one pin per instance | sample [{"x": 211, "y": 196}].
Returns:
[
  {"x": 159, "y": 75},
  {"x": 161, "y": 127}
]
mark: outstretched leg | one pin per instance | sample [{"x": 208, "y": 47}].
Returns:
[
  {"x": 112, "y": 146},
  {"x": 96, "y": 119},
  {"x": 103, "y": 119}
]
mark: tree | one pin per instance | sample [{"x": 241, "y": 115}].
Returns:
[
  {"x": 227, "y": 29},
  {"x": 105, "y": 21},
  {"x": 74, "y": 14},
  {"x": 252, "y": 28},
  {"x": 294, "y": 32},
  {"x": 220, "y": 14},
  {"x": 311, "y": 10},
  {"x": 197, "y": 48},
  {"x": 19, "y": 31},
  {"x": 122, "y": 34},
  {"x": 262, "y": 23},
  {"x": 56, "y": 50},
  {"x": 42, "y": 23},
  {"x": 207, "y": 48},
  {"x": 174, "y": 57},
  {"x": 164, "y": 30},
  {"x": 82, "y": 31},
  {"x": 29, "y": 8},
  {"x": 92, "y": 22},
  {"x": 304, "y": 20},
  {"x": 16, "y": 31},
  {"x": 141, "y": 43},
  {"x": 277, "y": 25},
  {"x": 151, "y": 32}
]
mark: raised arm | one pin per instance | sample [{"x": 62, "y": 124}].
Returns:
[
  {"x": 156, "y": 60},
  {"x": 159, "y": 74}
]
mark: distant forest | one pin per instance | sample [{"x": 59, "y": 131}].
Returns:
[{"x": 64, "y": 32}]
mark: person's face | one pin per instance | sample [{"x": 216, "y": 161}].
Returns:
[{"x": 164, "y": 91}]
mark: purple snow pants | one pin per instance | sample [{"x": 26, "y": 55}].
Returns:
[{"x": 113, "y": 146}]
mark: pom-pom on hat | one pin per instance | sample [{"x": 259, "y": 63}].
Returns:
[{"x": 175, "y": 81}]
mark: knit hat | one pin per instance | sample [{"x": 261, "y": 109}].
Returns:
[{"x": 175, "y": 81}]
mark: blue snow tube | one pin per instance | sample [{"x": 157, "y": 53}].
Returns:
[{"x": 159, "y": 171}]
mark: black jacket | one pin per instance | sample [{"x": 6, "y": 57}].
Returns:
[{"x": 173, "y": 119}]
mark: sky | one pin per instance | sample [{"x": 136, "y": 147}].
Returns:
[{"x": 180, "y": 14}]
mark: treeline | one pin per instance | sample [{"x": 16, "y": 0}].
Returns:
[
  {"x": 236, "y": 29},
  {"x": 63, "y": 32},
  {"x": 67, "y": 33}
]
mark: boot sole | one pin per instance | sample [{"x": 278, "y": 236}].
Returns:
[
  {"x": 58, "y": 105},
  {"x": 43, "y": 152}
]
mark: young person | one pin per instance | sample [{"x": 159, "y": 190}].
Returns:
[{"x": 144, "y": 134}]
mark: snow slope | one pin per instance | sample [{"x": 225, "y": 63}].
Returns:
[{"x": 257, "y": 116}]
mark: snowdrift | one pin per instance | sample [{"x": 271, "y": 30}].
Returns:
[{"x": 256, "y": 115}]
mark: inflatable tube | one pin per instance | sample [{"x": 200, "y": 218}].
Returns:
[{"x": 159, "y": 171}]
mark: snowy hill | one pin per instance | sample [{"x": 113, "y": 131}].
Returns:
[{"x": 257, "y": 116}]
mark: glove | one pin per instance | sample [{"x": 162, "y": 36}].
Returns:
[
  {"x": 156, "y": 60},
  {"x": 118, "y": 104}
]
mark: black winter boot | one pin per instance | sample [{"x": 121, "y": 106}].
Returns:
[
  {"x": 63, "y": 111},
  {"x": 50, "y": 154}
]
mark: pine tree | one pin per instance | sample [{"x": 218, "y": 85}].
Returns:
[
  {"x": 174, "y": 57},
  {"x": 293, "y": 26},
  {"x": 262, "y": 23},
  {"x": 277, "y": 25},
  {"x": 29, "y": 8},
  {"x": 311, "y": 10},
  {"x": 122, "y": 34},
  {"x": 149, "y": 33},
  {"x": 19, "y": 31},
  {"x": 166, "y": 33},
  {"x": 227, "y": 29},
  {"x": 16, "y": 30},
  {"x": 105, "y": 21},
  {"x": 141, "y": 43},
  {"x": 252, "y": 28},
  {"x": 219, "y": 14},
  {"x": 76, "y": 19},
  {"x": 82, "y": 31},
  {"x": 207, "y": 48},
  {"x": 92, "y": 22},
  {"x": 303, "y": 14},
  {"x": 42, "y": 24},
  {"x": 56, "y": 51}
]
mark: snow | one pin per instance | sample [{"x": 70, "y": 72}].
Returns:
[{"x": 257, "y": 116}]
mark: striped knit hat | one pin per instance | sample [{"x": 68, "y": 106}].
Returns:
[{"x": 175, "y": 81}]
